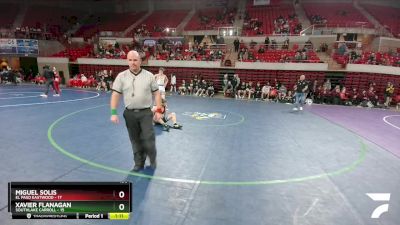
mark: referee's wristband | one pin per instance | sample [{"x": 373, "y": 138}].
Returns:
[{"x": 114, "y": 112}]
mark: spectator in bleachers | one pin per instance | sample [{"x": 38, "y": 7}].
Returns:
[
  {"x": 196, "y": 83},
  {"x": 308, "y": 45},
  {"x": 364, "y": 99},
  {"x": 241, "y": 54},
  {"x": 183, "y": 88},
  {"x": 250, "y": 56},
  {"x": 210, "y": 90},
  {"x": 84, "y": 80},
  {"x": 328, "y": 84},
  {"x": 191, "y": 89},
  {"x": 250, "y": 90},
  {"x": 389, "y": 90},
  {"x": 372, "y": 96},
  {"x": 354, "y": 96},
  {"x": 344, "y": 96},
  {"x": 241, "y": 91},
  {"x": 202, "y": 88},
  {"x": 273, "y": 44},
  {"x": 325, "y": 95},
  {"x": 236, "y": 43},
  {"x": 298, "y": 28},
  {"x": 173, "y": 83},
  {"x": 261, "y": 50},
  {"x": 317, "y": 19},
  {"x": 323, "y": 47},
  {"x": 313, "y": 89},
  {"x": 265, "y": 92},
  {"x": 104, "y": 84},
  {"x": 235, "y": 83},
  {"x": 266, "y": 42},
  {"x": 342, "y": 49},
  {"x": 398, "y": 102},
  {"x": 229, "y": 90},
  {"x": 257, "y": 91},
  {"x": 282, "y": 92},
  {"x": 304, "y": 56},
  {"x": 252, "y": 44},
  {"x": 297, "y": 56},
  {"x": 273, "y": 95},
  {"x": 108, "y": 79},
  {"x": 225, "y": 83},
  {"x": 284, "y": 58},
  {"x": 336, "y": 95},
  {"x": 286, "y": 43},
  {"x": 289, "y": 97}
]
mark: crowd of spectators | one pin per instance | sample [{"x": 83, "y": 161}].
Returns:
[
  {"x": 13, "y": 76},
  {"x": 270, "y": 51},
  {"x": 234, "y": 87},
  {"x": 198, "y": 86},
  {"x": 287, "y": 25},
  {"x": 252, "y": 24},
  {"x": 341, "y": 95},
  {"x": 224, "y": 17},
  {"x": 191, "y": 51},
  {"x": 345, "y": 55},
  {"x": 284, "y": 25},
  {"x": 318, "y": 19},
  {"x": 143, "y": 31}
]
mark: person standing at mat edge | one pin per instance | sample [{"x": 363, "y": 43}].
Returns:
[
  {"x": 50, "y": 76},
  {"x": 137, "y": 87},
  {"x": 300, "y": 95}
]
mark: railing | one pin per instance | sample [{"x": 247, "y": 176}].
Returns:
[
  {"x": 228, "y": 31},
  {"x": 329, "y": 29},
  {"x": 111, "y": 34}
]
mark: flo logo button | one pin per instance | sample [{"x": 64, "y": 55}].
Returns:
[{"x": 379, "y": 197}]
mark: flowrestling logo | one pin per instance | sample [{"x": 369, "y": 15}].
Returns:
[
  {"x": 379, "y": 197},
  {"x": 205, "y": 116}
]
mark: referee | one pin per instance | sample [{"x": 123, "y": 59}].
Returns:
[
  {"x": 137, "y": 87},
  {"x": 301, "y": 90}
]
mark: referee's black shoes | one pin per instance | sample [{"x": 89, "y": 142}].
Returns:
[
  {"x": 137, "y": 168},
  {"x": 153, "y": 165}
]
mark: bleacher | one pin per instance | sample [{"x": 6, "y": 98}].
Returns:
[
  {"x": 362, "y": 81},
  {"x": 211, "y": 19},
  {"x": 75, "y": 53},
  {"x": 8, "y": 14},
  {"x": 387, "y": 16},
  {"x": 51, "y": 19},
  {"x": 117, "y": 22},
  {"x": 267, "y": 15},
  {"x": 385, "y": 59},
  {"x": 275, "y": 56},
  {"x": 337, "y": 14},
  {"x": 159, "y": 20}
]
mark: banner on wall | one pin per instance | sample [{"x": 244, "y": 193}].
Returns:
[{"x": 19, "y": 46}]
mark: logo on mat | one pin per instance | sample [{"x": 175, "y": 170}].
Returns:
[
  {"x": 379, "y": 197},
  {"x": 205, "y": 116}
]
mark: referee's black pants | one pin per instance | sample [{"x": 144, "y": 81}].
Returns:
[
  {"x": 141, "y": 133},
  {"x": 48, "y": 83}
]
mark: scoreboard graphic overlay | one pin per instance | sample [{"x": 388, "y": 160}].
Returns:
[{"x": 70, "y": 200}]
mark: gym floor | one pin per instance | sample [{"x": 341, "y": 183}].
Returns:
[{"x": 234, "y": 161}]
